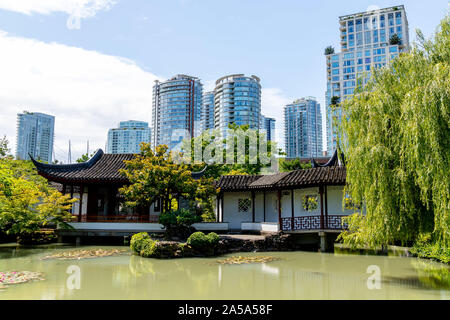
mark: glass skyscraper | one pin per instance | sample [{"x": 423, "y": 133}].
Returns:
[
  {"x": 128, "y": 137},
  {"x": 368, "y": 40},
  {"x": 207, "y": 117},
  {"x": 176, "y": 110},
  {"x": 303, "y": 129},
  {"x": 268, "y": 126},
  {"x": 237, "y": 99},
  {"x": 35, "y": 136}
]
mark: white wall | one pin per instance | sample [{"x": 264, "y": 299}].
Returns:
[
  {"x": 235, "y": 218},
  {"x": 230, "y": 209}
]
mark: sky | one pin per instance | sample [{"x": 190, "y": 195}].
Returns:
[{"x": 92, "y": 63}]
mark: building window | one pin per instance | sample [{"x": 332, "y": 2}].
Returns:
[
  {"x": 310, "y": 202},
  {"x": 244, "y": 205}
]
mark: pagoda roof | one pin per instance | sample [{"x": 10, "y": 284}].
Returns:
[{"x": 101, "y": 168}]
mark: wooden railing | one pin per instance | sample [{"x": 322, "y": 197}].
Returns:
[
  {"x": 119, "y": 218},
  {"x": 333, "y": 222}
]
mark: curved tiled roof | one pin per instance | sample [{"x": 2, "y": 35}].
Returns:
[
  {"x": 100, "y": 168},
  {"x": 235, "y": 182},
  {"x": 294, "y": 179}
]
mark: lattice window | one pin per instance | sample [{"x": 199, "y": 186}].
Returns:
[
  {"x": 244, "y": 205},
  {"x": 310, "y": 202}
]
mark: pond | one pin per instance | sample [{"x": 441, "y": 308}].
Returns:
[{"x": 288, "y": 275}]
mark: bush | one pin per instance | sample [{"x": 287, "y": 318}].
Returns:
[
  {"x": 426, "y": 248},
  {"x": 148, "y": 247},
  {"x": 178, "y": 223},
  {"x": 203, "y": 243},
  {"x": 137, "y": 241}
]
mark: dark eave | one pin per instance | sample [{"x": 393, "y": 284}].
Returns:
[{"x": 101, "y": 168}]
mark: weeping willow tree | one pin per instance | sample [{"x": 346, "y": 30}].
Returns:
[{"x": 397, "y": 147}]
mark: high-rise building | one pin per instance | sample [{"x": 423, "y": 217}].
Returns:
[
  {"x": 177, "y": 106},
  {"x": 268, "y": 126},
  {"x": 35, "y": 136},
  {"x": 303, "y": 129},
  {"x": 368, "y": 40},
  {"x": 128, "y": 137},
  {"x": 207, "y": 117},
  {"x": 237, "y": 99}
]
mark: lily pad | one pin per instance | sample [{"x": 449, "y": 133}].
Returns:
[
  {"x": 17, "y": 277},
  {"x": 247, "y": 260},
  {"x": 85, "y": 254}
]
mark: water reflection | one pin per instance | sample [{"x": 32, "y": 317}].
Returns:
[{"x": 297, "y": 275}]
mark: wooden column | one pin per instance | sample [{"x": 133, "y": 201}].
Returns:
[
  {"x": 326, "y": 207},
  {"x": 264, "y": 206},
  {"x": 292, "y": 209},
  {"x": 218, "y": 208},
  {"x": 80, "y": 209},
  {"x": 321, "y": 208},
  {"x": 279, "y": 208},
  {"x": 221, "y": 207},
  {"x": 253, "y": 206}
]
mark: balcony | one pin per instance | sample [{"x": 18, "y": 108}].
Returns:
[{"x": 307, "y": 223}]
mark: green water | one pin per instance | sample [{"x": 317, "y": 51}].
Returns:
[{"x": 297, "y": 275}]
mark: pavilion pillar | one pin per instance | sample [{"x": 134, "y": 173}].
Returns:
[
  {"x": 292, "y": 210},
  {"x": 221, "y": 207},
  {"x": 264, "y": 206},
  {"x": 326, "y": 207},
  {"x": 253, "y": 206},
  {"x": 80, "y": 209},
  {"x": 279, "y": 209},
  {"x": 218, "y": 208},
  {"x": 322, "y": 226}
]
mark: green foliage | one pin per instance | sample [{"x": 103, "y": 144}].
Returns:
[
  {"x": 27, "y": 202},
  {"x": 137, "y": 241},
  {"x": 291, "y": 165},
  {"x": 156, "y": 175},
  {"x": 148, "y": 248},
  {"x": 180, "y": 218},
  {"x": 426, "y": 248},
  {"x": 396, "y": 139},
  {"x": 329, "y": 50},
  {"x": 335, "y": 100},
  {"x": 4, "y": 150},
  {"x": 243, "y": 164},
  {"x": 395, "y": 39},
  {"x": 203, "y": 243},
  {"x": 85, "y": 157}
]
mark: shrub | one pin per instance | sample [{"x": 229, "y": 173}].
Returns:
[
  {"x": 203, "y": 243},
  {"x": 137, "y": 241},
  {"x": 148, "y": 247},
  {"x": 178, "y": 223}
]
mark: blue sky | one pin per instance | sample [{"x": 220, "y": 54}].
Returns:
[{"x": 137, "y": 41}]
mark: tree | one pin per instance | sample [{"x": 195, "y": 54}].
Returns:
[
  {"x": 85, "y": 158},
  {"x": 395, "y": 39},
  {"x": 329, "y": 50},
  {"x": 335, "y": 100},
  {"x": 155, "y": 175},
  {"x": 397, "y": 147},
  {"x": 27, "y": 202},
  {"x": 294, "y": 164},
  {"x": 4, "y": 150},
  {"x": 243, "y": 164}
]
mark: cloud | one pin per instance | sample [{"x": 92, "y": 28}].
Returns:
[
  {"x": 88, "y": 92},
  {"x": 273, "y": 101},
  {"x": 76, "y": 9}
]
